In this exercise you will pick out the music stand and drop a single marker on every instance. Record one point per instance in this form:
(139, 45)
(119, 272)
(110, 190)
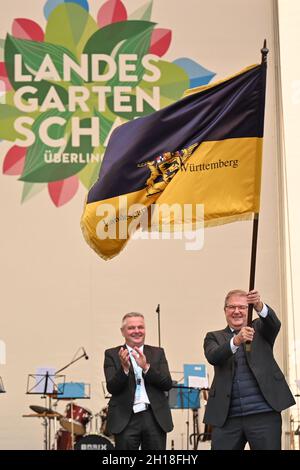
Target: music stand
(2, 390)
(186, 398)
(46, 386)
(50, 388)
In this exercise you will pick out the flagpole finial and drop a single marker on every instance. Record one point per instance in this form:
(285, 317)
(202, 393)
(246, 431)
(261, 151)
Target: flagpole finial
(264, 52)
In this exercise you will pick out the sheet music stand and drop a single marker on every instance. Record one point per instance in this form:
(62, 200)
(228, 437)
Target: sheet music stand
(2, 390)
(183, 397)
(46, 386)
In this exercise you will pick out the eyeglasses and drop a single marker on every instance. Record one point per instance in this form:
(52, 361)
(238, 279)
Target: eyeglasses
(239, 307)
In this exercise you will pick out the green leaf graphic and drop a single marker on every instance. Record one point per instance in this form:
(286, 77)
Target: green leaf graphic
(30, 190)
(106, 39)
(71, 26)
(173, 81)
(143, 13)
(33, 53)
(36, 169)
(41, 87)
(2, 42)
(8, 115)
(138, 45)
(89, 175)
(130, 114)
(105, 126)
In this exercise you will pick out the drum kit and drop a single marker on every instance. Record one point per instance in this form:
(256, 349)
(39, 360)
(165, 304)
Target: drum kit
(77, 430)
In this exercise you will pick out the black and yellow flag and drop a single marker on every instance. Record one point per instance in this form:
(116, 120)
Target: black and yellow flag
(204, 149)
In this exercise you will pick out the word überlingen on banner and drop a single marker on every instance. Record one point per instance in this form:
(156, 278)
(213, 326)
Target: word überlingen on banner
(84, 98)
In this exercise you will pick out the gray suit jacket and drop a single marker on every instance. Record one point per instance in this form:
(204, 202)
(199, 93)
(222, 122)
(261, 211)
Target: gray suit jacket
(261, 361)
(122, 388)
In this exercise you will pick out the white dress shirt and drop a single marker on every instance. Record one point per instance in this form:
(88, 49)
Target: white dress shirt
(141, 398)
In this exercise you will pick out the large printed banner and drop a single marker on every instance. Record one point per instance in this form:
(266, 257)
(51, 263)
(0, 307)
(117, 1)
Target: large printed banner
(68, 83)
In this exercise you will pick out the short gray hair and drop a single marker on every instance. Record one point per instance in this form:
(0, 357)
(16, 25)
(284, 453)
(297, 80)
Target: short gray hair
(240, 292)
(131, 315)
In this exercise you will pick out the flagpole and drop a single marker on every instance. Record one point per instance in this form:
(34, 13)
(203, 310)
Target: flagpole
(264, 52)
(252, 271)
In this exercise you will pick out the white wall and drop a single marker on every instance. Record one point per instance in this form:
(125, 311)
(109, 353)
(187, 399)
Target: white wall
(289, 18)
(56, 295)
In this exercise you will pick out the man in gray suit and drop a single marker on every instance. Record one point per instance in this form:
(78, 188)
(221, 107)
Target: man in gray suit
(249, 390)
(137, 377)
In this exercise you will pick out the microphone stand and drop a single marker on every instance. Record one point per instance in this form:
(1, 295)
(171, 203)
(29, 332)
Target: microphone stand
(158, 319)
(70, 363)
(57, 372)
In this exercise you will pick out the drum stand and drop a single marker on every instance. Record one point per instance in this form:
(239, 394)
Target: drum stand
(45, 424)
(72, 425)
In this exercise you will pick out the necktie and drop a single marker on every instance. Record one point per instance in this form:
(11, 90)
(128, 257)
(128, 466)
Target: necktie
(138, 379)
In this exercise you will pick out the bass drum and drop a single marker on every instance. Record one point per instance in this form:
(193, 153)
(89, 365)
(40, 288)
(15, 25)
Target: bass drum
(94, 442)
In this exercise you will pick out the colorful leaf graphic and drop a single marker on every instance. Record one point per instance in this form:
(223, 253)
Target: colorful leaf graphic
(198, 75)
(105, 126)
(89, 175)
(106, 39)
(8, 115)
(111, 11)
(142, 13)
(30, 190)
(128, 115)
(63, 191)
(70, 26)
(4, 77)
(82, 3)
(2, 92)
(14, 160)
(24, 28)
(172, 83)
(52, 4)
(160, 41)
(173, 80)
(33, 54)
(36, 169)
(138, 45)
(2, 42)
(72, 31)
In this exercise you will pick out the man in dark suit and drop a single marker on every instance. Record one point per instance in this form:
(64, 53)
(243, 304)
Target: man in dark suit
(137, 377)
(249, 390)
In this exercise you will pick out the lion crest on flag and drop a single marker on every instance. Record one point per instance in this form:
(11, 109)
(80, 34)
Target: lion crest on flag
(164, 167)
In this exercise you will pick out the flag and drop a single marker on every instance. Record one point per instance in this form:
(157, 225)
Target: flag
(204, 149)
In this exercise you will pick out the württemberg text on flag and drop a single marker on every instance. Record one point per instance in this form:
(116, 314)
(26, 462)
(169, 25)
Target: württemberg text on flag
(204, 149)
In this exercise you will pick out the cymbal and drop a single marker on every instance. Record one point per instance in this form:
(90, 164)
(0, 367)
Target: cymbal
(43, 415)
(40, 409)
(45, 412)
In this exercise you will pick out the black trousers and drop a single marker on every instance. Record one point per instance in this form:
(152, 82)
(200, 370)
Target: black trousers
(261, 430)
(143, 432)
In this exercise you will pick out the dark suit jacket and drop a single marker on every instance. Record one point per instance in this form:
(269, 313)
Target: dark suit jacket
(261, 361)
(122, 388)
